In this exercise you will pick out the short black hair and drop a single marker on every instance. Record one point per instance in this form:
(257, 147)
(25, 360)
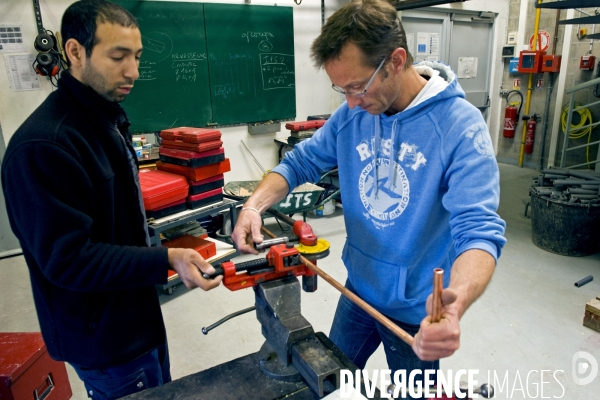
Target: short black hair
(372, 25)
(80, 21)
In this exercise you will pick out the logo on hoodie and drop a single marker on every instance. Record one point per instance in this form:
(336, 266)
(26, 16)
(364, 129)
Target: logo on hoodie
(383, 185)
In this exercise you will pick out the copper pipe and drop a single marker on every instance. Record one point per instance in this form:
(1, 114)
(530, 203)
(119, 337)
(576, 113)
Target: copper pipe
(268, 232)
(382, 319)
(438, 286)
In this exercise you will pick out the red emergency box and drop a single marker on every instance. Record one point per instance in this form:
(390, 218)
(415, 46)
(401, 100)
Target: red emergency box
(205, 248)
(196, 174)
(204, 199)
(197, 147)
(191, 158)
(28, 372)
(161, 188)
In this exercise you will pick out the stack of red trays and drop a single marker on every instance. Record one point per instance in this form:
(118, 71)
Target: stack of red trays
(198, 155)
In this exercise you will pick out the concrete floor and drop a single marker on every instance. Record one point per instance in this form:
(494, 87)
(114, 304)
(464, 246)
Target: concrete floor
(529, 319)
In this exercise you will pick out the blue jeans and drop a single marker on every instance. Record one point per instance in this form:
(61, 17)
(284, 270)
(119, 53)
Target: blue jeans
(150, 370)
(358, 335)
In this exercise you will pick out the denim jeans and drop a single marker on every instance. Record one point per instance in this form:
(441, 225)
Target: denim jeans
(358, 335)
(150, 370)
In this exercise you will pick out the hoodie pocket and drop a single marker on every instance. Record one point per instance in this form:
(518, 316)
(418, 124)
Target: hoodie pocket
(380, 283)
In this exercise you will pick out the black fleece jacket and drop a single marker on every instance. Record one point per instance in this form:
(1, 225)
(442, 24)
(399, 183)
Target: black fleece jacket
(72, 203)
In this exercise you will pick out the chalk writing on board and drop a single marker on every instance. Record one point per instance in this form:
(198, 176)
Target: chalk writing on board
(192, 55)
(260, 35)
(157, 46)
(277, 71)
(184, 65)
(265, 46)
(147, 71)
(233, 75)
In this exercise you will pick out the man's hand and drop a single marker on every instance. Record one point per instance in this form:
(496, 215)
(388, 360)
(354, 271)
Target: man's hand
(247, 228)
(470, 275)
(247, 231)
(190, 266)
(436, 340)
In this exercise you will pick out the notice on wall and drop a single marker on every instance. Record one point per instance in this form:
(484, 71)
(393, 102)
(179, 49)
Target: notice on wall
(422, 44)
(11, 38)
(428, 46)
(21, 75)
(434, 46)
(410, 43)
(467, 67)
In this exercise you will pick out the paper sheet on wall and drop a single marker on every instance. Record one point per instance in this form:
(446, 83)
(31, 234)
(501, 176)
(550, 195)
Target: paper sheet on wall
(21, 75)
(434, 46)
(467, 67)
(410, 43)
(422, 44)
(11, 38)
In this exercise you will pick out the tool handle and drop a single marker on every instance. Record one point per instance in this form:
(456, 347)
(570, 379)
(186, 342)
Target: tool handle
(382, 319)
(259, 263)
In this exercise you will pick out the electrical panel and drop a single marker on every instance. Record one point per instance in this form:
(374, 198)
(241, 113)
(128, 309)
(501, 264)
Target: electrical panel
(551, 63)
(508, 51)
(530, 62)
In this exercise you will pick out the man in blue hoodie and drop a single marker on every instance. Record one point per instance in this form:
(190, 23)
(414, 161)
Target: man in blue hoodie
(419, 182)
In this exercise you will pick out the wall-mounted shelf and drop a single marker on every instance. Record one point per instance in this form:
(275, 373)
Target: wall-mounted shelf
(411, 4)
(566, 4)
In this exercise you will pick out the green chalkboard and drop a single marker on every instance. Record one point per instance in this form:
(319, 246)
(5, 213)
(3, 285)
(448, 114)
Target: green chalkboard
(172, 88)
(207, 64)
(251, 62)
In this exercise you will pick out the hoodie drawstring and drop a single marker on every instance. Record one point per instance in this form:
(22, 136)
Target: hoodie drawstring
(376, 142)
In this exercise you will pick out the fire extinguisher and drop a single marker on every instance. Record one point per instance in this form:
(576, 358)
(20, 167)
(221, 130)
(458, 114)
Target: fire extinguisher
(511, 116)
(530, 134)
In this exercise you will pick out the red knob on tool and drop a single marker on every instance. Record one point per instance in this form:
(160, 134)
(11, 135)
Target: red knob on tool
(305, 233)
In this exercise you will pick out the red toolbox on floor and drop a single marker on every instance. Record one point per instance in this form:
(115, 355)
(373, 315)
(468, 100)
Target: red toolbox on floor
(161, 188)
(205, 248)
(197, 147)
(191, 158)
(196, 174)
(28, 372)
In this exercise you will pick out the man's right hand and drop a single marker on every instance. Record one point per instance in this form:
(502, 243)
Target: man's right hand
(190, 266)
(247, 231)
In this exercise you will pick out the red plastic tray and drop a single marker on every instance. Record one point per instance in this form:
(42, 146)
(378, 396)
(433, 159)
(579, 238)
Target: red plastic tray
(161, 188)
(197, 147)
(205, 248)
(196, 174)
(215, 182)
(203, 199)
(305, 125)
(191, 158)
(191, 135)
(171, 208)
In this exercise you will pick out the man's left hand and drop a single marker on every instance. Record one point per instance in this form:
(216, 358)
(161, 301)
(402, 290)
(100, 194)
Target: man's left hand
(441, 339)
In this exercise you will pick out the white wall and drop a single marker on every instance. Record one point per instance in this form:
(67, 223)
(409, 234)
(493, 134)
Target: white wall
(500, 26)
(313, 93)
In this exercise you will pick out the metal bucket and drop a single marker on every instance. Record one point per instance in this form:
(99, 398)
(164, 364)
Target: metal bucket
(568, 229)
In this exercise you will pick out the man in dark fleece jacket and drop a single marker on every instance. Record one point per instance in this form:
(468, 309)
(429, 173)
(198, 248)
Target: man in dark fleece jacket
(73, 199)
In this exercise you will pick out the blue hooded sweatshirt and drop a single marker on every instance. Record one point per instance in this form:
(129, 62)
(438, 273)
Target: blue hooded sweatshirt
(419, 188)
